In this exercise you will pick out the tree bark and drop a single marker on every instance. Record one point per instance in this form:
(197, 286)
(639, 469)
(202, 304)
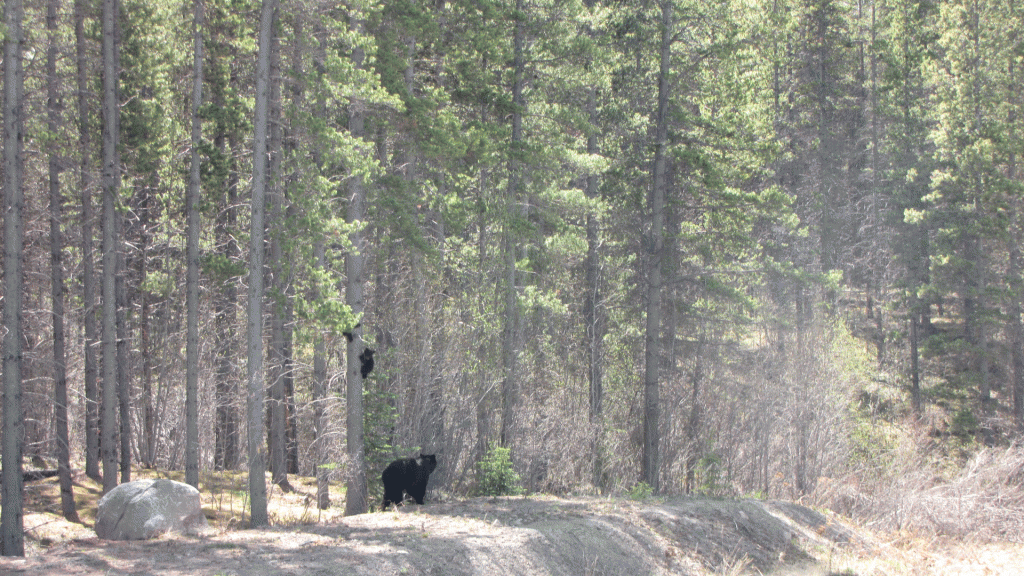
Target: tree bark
(277, 438)
(121, 300)
(92, 413)
(192, 261)
(12, 536)
(256, 395)
(111, 182)
(655, 247)
(515, 209)
(320, 387)
(356, 490)
(60, 381)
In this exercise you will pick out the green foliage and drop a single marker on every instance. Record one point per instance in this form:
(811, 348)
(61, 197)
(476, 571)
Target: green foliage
(640, 491)
(872, 447)
(964, 424)
(495, 475)
(709, 475)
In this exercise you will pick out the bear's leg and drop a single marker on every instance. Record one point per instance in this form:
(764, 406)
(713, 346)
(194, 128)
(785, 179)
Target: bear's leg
(418, 491)
(392, 496)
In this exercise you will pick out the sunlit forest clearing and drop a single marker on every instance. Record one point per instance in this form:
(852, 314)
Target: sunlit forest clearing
(658, 252)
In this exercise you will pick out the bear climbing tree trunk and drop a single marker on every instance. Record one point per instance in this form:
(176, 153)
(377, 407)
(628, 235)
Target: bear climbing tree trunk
(356, 492)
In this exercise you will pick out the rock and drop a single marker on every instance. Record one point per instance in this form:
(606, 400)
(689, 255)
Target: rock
(148, 508)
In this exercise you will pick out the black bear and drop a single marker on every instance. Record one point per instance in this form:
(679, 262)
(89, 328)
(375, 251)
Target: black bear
(366, 362)
(348, 335)
(407, 475)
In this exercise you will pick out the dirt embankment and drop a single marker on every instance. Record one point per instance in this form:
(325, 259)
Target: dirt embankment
(528, 536)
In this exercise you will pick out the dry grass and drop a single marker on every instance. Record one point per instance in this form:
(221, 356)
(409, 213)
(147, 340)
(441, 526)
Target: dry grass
(964, 526)
(981, 501)
(224, 496)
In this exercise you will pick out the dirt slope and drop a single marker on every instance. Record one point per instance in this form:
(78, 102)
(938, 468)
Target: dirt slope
(528, 536)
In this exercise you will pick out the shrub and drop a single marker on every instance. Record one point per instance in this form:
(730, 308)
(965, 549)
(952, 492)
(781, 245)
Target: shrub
(495, 475)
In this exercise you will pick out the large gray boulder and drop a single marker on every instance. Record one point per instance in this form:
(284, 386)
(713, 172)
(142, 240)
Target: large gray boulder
(148, 508)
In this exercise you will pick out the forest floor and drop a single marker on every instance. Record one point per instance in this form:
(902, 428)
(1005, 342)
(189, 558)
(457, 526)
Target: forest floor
(530, 535)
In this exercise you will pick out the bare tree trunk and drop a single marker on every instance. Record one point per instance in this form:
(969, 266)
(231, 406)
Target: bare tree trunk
(1017, 333)
(149, 439)
(276, 407)
(92, 413)
(60, 380)
(655, 246)
(593, 313)
(320, 387)
(256, 395)
(111, 182)
(915, 373)
(12, 535)
(510, 344)
(192, 262)
(291, 148)
(356, 490)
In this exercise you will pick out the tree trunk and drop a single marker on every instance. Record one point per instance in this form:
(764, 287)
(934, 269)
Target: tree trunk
(255, 404)
(192, 261)
(111, 182)
(320, 386)
(277, 439)
(593, 312)
(89, 370)
(655, 248)
(12, 535)
(60, 381)
(510, 344)
(355, 494)
(149, 439)
(915, 373)
(122, 304)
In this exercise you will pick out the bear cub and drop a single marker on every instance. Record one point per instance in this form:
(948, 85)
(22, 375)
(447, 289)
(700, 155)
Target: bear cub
(366, 362)
(408, 475)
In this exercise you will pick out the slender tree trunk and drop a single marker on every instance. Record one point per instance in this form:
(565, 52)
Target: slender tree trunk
(593, 312)
(915, 374)
(111, 182)
(12, 536)
(192, 261)
(512, 319)
(121, 329)
(356, 489)
(256, 395)
(92, 412)
(655, 245)
(694, 421)
(60, 381)
(291, 149)
(1017, 332)
(1016, 272)
(320, 395)
(276, 409)
(149, 439)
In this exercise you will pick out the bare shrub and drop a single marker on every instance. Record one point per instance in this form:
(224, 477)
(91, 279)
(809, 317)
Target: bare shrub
(984, 499)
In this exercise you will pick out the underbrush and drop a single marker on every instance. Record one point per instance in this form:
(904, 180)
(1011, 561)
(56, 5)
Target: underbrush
(980, 498)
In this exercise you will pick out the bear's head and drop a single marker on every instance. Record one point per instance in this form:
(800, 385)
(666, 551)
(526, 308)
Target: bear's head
(428, 462)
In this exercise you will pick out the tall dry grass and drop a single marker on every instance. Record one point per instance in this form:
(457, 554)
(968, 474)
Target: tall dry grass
(983, 499)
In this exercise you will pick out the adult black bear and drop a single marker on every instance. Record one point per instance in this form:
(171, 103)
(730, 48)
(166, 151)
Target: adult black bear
(408, 475)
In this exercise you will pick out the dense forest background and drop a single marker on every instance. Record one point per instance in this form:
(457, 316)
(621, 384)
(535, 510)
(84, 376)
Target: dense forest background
(736, 247)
